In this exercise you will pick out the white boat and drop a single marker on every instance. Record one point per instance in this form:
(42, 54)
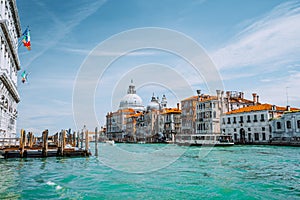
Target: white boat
(204, 140)
(110, 142)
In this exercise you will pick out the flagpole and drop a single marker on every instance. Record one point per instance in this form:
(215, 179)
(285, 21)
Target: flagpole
(20, 42)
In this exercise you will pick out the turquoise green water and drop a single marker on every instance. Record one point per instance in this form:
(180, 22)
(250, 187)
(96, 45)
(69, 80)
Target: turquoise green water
(238, 172)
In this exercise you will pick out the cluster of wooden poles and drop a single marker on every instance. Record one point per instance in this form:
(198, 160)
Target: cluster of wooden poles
(62, 144)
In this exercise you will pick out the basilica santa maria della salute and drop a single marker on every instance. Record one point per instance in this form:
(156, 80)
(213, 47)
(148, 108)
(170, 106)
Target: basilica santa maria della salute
(133, 122)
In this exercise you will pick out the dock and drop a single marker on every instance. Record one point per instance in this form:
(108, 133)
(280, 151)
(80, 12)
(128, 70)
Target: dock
(62, 144)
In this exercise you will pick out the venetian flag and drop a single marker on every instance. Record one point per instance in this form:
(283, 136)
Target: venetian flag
(26, 39)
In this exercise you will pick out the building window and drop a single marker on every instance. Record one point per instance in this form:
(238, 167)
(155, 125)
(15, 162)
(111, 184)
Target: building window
(249, 129)
(215, 114)
(298, 124)
(255, 118)
(262, 117)
(248, 119)
(223, 121)
(256, 136)
(278, 125)
(241, 119)
(228, 120)
(249, 137)
(288, 124)
(234, 120)
(263, 136)
(234, 130)
(263, 128)
(235, 137)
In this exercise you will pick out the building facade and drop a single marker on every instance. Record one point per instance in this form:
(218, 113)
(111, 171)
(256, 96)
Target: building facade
(171, 118)
(156, 124)
(209, 109)
(133, 122)
(286, 127)
(10, 31)
(251, 124)
(188, 115)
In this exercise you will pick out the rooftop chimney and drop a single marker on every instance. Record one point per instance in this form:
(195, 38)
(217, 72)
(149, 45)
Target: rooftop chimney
(254, 98)
(257, 99)
(273, 107)
(199, 93)
(178, 106)
(218, 94)
(228, 94)
(288, 108)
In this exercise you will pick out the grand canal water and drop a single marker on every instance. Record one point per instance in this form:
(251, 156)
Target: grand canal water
(238, 172)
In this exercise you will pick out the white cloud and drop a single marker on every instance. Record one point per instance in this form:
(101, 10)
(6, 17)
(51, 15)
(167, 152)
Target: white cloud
(269, 42)
(60, 27)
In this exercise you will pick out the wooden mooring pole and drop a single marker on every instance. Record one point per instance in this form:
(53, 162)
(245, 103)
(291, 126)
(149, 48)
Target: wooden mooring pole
(87, 140)
(59, 144)
(45, 143)
(22, 142)
(96, 141)
(74, 139)
(81, 140)
(31, 138)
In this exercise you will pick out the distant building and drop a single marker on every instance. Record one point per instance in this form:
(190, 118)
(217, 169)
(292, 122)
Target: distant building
(10, 31)
(171, 118)
(134, 123)
(156, 124)
(188, 115)
(251, 124)
(286, 127)
(130, 104)
(211, 108)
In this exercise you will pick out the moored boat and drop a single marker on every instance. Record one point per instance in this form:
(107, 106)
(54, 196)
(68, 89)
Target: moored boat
(204, 140)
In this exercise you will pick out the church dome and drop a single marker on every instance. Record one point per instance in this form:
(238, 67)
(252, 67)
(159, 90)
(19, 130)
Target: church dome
(132, 100)
(153, 105)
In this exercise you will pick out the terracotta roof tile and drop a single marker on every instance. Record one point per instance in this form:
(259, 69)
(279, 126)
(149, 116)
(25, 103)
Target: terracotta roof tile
(259, 107)
(171, 110)
(190, 98)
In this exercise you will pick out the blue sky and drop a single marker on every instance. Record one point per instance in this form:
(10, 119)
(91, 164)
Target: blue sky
(255, 45)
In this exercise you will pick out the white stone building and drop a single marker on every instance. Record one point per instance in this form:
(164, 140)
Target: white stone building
(250, 124)
(287, 127)
(10, 31)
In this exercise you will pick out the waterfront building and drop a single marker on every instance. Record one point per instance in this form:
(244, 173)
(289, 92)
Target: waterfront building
(130, 104)
(287, 127)
(188, 115)
(209, 109)
(156, 124)
(171, 118)
(10, 31)
(251, 124)
(133, 122)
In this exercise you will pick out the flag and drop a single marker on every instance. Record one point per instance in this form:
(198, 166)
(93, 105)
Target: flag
(26, 39)
(24, 76)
